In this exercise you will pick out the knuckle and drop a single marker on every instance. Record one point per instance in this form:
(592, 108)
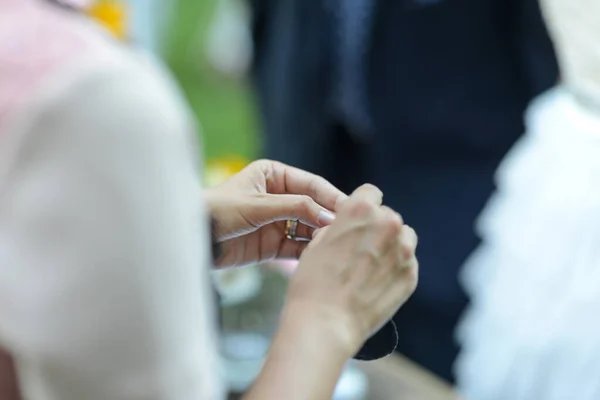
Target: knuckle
(315, 184)
(383, 226)
(262, 162)
(392, 221)
(410, 275)
(360, 208)
(370, 187)
(400, 218)
(410, 231)
(267, 161)
(407, 251)
(414, 236)
(305, 203)
(413, 279)
(386, 211)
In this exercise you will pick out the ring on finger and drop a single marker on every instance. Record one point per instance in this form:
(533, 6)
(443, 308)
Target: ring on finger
(291, 228)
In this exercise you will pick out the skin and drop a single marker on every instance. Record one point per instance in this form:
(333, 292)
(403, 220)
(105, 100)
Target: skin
(359, 268)
(252, 207)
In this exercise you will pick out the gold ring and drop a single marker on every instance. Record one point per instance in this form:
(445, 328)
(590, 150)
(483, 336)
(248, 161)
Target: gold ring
(291, 226)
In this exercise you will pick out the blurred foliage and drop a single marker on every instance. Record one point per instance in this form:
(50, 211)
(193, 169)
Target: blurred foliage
(224, 108)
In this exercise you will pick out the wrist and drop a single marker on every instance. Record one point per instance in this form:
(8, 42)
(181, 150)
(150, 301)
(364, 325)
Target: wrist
(213, 203)
(305, 361)
(333, 329)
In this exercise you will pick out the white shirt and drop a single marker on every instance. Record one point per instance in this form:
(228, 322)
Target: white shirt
(104, 250)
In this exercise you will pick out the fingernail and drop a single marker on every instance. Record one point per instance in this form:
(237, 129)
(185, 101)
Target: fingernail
(325, 218)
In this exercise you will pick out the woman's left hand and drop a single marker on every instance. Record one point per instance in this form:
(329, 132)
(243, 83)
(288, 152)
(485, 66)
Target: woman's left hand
(251, 210)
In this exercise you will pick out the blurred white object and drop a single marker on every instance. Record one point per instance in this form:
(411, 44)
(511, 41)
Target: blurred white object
(244, 354)
(575, 29)
(352, 385)
(229, 45)
(286, 267)
(238, 285)
(532, 331)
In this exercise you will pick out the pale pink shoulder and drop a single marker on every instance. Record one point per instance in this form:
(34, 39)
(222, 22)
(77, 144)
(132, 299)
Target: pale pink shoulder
(36, 42)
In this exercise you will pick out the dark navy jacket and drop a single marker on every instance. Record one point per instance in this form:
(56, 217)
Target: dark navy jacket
(448, 85)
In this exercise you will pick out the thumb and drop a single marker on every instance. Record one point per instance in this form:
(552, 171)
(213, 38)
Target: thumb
(281, 207)
(318, 235)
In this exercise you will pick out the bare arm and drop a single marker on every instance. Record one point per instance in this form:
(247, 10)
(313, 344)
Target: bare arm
(343, 291)
(305, 361)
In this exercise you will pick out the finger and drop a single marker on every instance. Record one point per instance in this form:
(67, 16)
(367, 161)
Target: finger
(368, 192)
(411, 263)
(290, 180)
(318, 232)
(408, 245)
(272, 208)
(291, 250)
(318, 235)
(304, 233)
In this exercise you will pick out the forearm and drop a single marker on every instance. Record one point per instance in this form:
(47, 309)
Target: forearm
(305, 361)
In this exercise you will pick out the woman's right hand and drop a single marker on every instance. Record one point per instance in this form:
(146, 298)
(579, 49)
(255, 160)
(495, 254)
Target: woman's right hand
(355, 274)
(351, 279)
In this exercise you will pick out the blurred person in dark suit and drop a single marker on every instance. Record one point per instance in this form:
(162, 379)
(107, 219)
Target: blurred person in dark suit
(422, 98)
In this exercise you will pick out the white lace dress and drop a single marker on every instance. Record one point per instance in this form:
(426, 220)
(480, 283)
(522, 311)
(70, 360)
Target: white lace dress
(533, 329)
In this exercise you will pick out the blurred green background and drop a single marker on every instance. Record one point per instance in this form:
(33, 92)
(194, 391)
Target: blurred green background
(223, 107)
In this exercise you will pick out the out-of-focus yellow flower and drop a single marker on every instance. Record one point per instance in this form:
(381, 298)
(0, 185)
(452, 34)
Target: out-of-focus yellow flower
(219, 170)
(112, 14)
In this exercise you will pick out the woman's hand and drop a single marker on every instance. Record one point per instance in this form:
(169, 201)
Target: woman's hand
(356, 273)
(352, 278)
(251, 210)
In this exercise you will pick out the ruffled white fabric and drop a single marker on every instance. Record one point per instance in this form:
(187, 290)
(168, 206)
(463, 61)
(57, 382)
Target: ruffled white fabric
(574, 26)
(533, 329)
